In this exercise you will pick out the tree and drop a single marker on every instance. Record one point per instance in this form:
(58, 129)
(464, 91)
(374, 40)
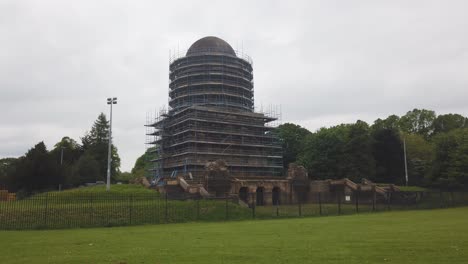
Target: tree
(344, 151)
(86, 170)
(420, 155)
(419, 122)
(449, 122)
(95, 143)
(140, 163)
(323, 152)
(71, 149)
(125, 177)
(36, 170)
(292, 138)
(388, 155)
(7, 169)
(358, 160)
(144, 163)
(99, 133)
(450, 168)
(66, 153)
(391, 122)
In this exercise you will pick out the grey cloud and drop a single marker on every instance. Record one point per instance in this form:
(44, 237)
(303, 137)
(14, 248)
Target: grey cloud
(324, 62)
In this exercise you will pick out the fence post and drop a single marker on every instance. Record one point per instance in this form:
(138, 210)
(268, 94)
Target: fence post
(198, 209)
(452, 201)
(165, 209)
(339, 203)
(320, 203)
(4, 220)
(441, 198)
(227, 207)
(253, 205)
(356, 198)
(92, 208)
(131, 208)
(389, 201)
(416, 201)
(300, 206)
(45, 209)
(373, 199)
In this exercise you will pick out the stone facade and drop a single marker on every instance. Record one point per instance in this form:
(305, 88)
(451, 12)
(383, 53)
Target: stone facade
(297, 187)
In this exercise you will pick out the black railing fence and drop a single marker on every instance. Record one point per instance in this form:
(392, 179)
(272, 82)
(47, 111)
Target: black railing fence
(60, 210)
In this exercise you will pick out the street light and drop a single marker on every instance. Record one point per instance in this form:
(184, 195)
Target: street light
(61, 165)
(406, 162)
(61, 155)
(110, 101)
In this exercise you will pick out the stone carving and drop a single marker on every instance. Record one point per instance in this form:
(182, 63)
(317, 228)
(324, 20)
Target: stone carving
(297, 172)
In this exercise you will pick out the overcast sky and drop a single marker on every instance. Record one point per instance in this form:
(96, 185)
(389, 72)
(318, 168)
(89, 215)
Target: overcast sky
(324, 62)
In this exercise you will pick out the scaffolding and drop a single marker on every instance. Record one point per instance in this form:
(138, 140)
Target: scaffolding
(177, 54)
(212, 116)
(150, 138)
(188, 139)
(216, 79)
(152, 148)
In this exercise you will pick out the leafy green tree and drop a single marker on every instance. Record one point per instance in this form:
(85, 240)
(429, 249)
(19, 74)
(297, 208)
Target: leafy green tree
(7, 169)
(450, 168)
(95, 143)
(71, 150)
(144, 163)
(449, 122)
(66, 153)
(125, 177)
(388, 155)
(391, 122)
(99, 133)
(36, 170)
(420, 155)
(358, 160)
(86, 169)
(292, 138)
(323, 152)
(418, 121)
(339, 152)
(140, 163)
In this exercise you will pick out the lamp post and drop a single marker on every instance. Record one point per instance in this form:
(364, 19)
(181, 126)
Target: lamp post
(406, 162)
(61, 155)
(110, 101)
(61, 165)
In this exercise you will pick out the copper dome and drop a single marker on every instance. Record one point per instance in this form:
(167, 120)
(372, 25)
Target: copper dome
(210, 44)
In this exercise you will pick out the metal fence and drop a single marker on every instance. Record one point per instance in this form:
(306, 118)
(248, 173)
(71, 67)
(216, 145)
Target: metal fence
(62, 210)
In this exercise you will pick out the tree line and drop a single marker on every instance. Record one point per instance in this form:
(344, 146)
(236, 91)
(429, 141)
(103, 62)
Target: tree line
(436, 149)
(437, 154)
(68, 164)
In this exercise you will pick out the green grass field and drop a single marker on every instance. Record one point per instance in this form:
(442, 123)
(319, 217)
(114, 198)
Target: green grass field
(413, 189)
(116, 189)
(424, 236)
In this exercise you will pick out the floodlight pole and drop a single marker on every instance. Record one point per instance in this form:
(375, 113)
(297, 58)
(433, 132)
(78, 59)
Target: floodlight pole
(61, 164)
(406, 162)
(110, 101)
(61, 156)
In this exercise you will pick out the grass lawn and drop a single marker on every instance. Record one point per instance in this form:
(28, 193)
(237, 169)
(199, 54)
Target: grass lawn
(413, 189)
(116, 189)
(425, 236)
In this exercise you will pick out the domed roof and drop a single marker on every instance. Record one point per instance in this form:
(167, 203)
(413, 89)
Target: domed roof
(210, 44)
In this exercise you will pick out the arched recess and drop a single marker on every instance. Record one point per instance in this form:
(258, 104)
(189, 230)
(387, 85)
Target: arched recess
(260, 196)
(244, 194)
(276, 194)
